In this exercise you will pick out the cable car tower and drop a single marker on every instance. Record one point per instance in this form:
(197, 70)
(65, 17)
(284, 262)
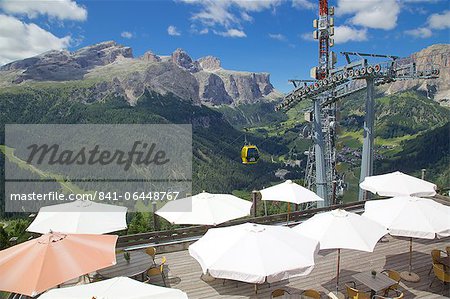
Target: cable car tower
(331, 84)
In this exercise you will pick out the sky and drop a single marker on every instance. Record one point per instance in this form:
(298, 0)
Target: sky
(273, 36)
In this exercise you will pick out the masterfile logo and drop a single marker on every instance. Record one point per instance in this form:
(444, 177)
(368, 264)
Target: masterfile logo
(122, 164)
(140, 154)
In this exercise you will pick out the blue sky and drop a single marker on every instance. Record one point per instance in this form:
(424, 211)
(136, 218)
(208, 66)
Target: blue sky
(261, 36)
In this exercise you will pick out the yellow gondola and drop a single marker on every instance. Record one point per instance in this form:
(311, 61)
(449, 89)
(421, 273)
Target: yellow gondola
(249, 154)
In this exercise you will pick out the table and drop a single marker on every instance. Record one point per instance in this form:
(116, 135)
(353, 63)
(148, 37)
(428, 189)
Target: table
(377, 283)
(139, 263)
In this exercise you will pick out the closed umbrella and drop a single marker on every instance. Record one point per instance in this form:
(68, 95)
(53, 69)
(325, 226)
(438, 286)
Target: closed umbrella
(115, 288)
(411, 217)
(80, 216)
(339, 229)
(254, 253)
(205, 209)
(398, 184)
(35, 266)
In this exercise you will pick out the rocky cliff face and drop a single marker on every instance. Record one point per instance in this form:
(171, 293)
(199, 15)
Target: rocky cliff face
(64, 65)
(113, 69)
(439, 89)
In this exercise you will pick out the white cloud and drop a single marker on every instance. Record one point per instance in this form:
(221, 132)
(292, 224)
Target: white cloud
(439, 21)
(230, 12)
(246, 17)
(215, 12)
(60, 9)
(256, 5)
(278, 36)
(378, 14)
(19, 40)
(172, 30)
(127, 34)
(231, 33)
(303, 4)
(343, 34)
(307, 36)
(419, 1)
(195, 30)
(421, 32)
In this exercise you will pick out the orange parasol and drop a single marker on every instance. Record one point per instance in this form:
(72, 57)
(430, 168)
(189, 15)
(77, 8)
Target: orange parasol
(37, 265)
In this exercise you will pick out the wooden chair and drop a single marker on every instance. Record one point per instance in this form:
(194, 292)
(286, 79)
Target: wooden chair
(440, 274)
(394, 275)
(399, 295)
(435, 255)
(447, 249)
(353, 293)
(158, 270)
(279, 293)
(311, 293)
(151, 251)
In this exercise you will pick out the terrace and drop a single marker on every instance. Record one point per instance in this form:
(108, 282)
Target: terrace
(184, 272)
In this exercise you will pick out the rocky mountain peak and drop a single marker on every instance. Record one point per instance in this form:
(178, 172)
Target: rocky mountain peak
(436, 56)
(63, 65)
(209, 63)
(182, 59)
(101, 53)
(150, 57)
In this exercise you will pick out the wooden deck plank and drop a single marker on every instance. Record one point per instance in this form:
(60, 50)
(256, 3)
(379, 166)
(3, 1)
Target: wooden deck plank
(184, 272)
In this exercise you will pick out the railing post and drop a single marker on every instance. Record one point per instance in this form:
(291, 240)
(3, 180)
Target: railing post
(155, 221)
(424, 171)
(254, 198)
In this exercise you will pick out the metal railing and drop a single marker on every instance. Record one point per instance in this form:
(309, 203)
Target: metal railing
(181, 235)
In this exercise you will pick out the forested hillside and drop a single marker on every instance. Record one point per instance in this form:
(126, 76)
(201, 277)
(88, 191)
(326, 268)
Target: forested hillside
(216, 144)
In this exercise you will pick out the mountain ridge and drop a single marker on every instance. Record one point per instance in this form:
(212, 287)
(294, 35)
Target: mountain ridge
(111, 66)
(437, 56)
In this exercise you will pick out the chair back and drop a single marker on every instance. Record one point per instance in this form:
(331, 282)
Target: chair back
(151, 251)
(279, 293)
(311, 293)
(163, 261)
(435, 255)
(351, 292)
(392, 274)
(400, 296)
(154, 271)
(440, 273)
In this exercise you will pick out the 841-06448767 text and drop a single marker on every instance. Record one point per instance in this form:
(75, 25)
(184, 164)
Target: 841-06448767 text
(96, 195)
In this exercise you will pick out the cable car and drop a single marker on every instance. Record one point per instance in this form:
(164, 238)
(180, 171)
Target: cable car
(249, 154)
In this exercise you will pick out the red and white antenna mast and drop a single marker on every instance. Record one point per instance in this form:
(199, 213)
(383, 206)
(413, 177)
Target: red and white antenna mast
(324, 33)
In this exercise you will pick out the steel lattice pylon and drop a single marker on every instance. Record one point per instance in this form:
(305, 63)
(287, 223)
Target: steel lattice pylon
(333, 84)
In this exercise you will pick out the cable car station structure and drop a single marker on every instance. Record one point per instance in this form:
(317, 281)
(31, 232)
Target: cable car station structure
(331, 84)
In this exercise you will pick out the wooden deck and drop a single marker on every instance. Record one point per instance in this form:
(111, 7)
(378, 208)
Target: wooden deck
(184, 272)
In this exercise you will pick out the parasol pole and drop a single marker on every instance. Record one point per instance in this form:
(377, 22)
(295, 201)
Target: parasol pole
(338, 266)
(410, 254)
(409, 275)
